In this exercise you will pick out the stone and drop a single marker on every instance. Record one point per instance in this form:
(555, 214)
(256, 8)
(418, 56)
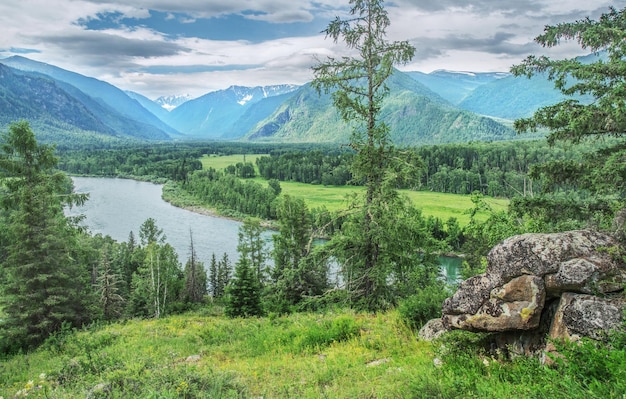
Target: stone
(517, 305)
(598, 275)
(541, 254)
(539, 286)
(432, 330)
(586, 315)
(470, 295)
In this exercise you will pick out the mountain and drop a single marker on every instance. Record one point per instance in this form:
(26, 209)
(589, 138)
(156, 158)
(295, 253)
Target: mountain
(105, 93)
(170, 102)
(414, 113)
(454, 86)
(40, 100)
(150, 105)
(214, 115)
(61, 113)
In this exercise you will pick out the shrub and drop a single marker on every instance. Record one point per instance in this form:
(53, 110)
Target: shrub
(417, 309)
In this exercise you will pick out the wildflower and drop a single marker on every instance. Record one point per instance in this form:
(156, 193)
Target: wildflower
(437, 362)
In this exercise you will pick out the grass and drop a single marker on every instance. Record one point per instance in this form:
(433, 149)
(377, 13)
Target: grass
(221, 162)
(339, 354)
(440, 205)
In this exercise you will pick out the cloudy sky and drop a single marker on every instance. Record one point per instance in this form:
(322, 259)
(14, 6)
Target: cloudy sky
(171, 47)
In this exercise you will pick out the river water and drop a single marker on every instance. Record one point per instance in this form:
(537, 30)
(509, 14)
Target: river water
(118, 206)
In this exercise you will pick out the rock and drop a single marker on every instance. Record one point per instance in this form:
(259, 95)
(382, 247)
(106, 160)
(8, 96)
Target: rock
(573, 272)
(470, 295)
(433, 329)
(193, 359)
(541, 254)
(600, 275)
(516, 305)
(586, 315)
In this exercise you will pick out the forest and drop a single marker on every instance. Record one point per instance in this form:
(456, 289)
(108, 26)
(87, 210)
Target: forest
(81, 301)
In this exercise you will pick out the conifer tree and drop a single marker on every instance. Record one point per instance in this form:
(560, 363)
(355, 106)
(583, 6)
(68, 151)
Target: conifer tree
(359, 87)
(243, 294)
(213, 276)
(44, 287)
(195, 277)
(252, 247)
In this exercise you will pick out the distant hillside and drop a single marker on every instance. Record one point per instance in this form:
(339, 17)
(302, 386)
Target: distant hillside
(58, 112)
(149, 125)
(454, 86)
(415, 114)
(214, 115)
(512, 97)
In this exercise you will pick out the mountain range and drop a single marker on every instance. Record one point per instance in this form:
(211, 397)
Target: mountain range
(439, 107)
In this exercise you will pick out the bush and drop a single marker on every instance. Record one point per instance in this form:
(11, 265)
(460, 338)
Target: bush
(417, 309)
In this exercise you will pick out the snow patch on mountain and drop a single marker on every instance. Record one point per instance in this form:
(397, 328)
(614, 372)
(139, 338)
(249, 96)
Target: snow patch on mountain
(173, 101)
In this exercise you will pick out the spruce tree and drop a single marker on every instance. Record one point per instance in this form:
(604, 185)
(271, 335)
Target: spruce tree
(195, 277)
(243, 294)
(358, 88)
(44, 287)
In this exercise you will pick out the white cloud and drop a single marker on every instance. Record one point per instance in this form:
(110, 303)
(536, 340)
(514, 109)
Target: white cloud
(485, 35)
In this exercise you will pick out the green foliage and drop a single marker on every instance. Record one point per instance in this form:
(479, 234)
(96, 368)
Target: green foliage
(252, 246)
(576, 121)
(44, 285)
(231, 195)
(417, 309)
(195, 288)
(219, 275)
(243, 293)
(359, 84)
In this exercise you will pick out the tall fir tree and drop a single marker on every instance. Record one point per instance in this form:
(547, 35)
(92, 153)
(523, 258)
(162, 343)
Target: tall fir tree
(252, 247)
(243, 294)
(44, 287)
(358, 88)
(195, 287)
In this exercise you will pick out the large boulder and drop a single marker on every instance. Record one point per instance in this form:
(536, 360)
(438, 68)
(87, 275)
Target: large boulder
(576, 271)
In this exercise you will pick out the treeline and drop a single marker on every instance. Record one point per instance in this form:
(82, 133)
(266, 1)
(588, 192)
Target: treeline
(154, 162)
(494, 169)
(233, 196)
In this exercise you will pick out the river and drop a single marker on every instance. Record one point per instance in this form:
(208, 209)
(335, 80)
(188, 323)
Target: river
(118, 206)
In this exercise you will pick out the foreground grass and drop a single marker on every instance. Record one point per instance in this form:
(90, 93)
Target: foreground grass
(332, 355)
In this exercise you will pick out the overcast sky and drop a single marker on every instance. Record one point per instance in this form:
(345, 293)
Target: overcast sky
(165, 47)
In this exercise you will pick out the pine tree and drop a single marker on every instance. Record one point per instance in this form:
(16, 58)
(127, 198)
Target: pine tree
(251, 246)
(295, 274)
(223, 275)
(213, 276)
(195, 278)
(359, 84)
(45, 287)
(243, 294)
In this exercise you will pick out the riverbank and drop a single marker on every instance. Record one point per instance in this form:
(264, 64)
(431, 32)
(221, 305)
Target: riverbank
(174, 195)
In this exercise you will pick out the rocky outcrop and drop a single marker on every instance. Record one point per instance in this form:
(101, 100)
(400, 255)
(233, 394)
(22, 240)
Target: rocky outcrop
(561, 285)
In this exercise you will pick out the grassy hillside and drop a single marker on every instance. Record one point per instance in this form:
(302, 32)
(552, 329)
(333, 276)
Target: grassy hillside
(333, 355)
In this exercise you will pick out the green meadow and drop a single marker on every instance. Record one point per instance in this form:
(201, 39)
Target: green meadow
(440, 205)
